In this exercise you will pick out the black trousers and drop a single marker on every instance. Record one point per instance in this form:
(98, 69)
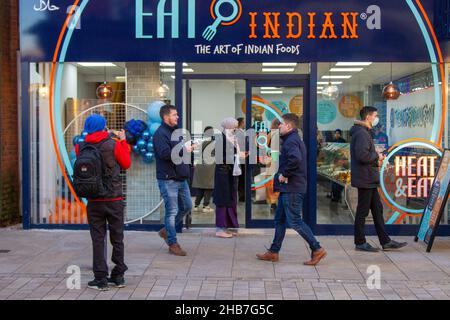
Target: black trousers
(203, 194)
(100, 213)
(241, 184)
(369, 199)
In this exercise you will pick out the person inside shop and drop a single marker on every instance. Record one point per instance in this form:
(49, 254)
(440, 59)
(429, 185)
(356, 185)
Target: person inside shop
(365, 163)
(203, 180)
(172, 178)
(271, 162)
(106, 207)
(336, 188)
(290, 181)
(380, 137)
(240, 134)
(226, 173)
(338, 136)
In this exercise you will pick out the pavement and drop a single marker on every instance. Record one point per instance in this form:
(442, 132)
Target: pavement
(37, 265)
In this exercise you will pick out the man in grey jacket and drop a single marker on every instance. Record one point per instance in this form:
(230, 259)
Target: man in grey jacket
(365, 163)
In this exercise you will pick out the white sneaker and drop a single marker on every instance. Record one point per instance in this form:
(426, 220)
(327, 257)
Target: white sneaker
(196, 208)
(207, 209)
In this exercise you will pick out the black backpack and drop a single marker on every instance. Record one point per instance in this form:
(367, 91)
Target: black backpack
(89, 172)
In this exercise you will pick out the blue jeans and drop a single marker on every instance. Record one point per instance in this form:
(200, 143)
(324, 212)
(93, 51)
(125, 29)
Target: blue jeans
(288, 212)
(177, 203)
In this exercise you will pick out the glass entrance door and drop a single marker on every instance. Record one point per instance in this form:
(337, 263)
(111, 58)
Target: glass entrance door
(266, 102)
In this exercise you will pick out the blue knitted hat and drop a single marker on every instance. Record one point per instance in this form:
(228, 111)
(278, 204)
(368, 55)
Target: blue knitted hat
(94, 123)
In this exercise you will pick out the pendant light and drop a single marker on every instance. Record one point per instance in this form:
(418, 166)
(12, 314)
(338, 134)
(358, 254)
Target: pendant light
(104, 91)
(163, 89)
(390, 91)
(330, 91)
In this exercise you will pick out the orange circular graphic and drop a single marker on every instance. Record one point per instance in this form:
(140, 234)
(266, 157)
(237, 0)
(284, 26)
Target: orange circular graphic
(256, 110)
(213, 15)
(349, 106)
(296, 105)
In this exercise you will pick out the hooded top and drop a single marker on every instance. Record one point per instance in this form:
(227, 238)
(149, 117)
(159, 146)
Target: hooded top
(364, 158)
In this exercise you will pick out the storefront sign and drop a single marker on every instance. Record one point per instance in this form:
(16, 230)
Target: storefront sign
(225, 30)
(436, 203)
(414, 176)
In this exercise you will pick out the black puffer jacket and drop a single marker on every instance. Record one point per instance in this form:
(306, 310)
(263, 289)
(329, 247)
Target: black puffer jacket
(364, 158)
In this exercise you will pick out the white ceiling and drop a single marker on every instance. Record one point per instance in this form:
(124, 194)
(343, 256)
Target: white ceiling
(375, 74)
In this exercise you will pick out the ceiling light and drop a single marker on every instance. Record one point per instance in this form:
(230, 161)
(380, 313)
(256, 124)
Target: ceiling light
(96, 64)
(172, 70)
(352, 64)
(269, 88)
(171, 64)
(173, 77)
(121, 78)
(278, 69)
(336, 77)
(332, 82)
(279, 64)
(330, 92)
(346, 69)
(319, 88)
(272, 92)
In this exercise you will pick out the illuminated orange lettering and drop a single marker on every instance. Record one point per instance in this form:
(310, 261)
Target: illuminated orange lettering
(291, 25)
(328, 24)
(411, 188)
(400, 166)
(311, 25)
(411, 166)
(347, 25)
(271, 26)
(253, 25)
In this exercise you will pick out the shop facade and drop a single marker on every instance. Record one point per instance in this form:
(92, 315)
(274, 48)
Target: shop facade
(254, 61)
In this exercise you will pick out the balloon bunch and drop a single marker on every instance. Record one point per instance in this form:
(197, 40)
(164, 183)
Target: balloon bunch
(140, 134)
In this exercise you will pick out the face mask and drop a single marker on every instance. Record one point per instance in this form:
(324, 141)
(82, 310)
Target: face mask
(375, 122)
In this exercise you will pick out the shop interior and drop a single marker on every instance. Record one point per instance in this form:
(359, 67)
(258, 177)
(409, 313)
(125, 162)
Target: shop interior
(207, 101)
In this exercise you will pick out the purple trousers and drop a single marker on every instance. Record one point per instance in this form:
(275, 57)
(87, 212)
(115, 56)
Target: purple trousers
(226, 217)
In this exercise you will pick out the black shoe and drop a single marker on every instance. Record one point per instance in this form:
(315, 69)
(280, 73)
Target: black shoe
(101, 285)
(117, 282)
(392, 245)
(366, 247)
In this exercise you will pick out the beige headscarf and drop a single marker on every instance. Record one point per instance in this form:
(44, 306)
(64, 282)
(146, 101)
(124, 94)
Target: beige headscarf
(228, 125)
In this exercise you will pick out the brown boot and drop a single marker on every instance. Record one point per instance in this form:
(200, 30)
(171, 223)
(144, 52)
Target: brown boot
(316, 257)
(268, 256)
(163, 234)
(176, 250)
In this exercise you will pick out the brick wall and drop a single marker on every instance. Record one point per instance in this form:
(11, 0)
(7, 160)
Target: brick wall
(9, 157)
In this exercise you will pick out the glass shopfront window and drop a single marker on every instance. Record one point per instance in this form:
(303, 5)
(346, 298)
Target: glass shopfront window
(133, 87)
(407, 175)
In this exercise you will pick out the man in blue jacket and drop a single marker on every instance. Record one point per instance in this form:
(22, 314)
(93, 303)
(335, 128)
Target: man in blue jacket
(365, 163)
(172, 178)
(290, 181)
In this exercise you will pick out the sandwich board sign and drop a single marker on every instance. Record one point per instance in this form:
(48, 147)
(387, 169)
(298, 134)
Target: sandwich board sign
(437, 199)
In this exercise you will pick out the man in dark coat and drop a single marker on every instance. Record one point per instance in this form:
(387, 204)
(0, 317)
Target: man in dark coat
(365, 162)
(290, 181)
(172, 178)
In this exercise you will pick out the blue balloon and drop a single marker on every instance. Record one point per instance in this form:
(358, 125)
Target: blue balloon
(136, 149)
(150, 146)
(84, 134)
(146, 135)
(81, 140)
(153, 111)
(141, 144)
(143, 151)
(148, 157)
(75, 140)
(154, 127)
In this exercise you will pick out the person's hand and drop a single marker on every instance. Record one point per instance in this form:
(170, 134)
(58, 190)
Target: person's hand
(121, 135)
(282, 179)
(191, 147)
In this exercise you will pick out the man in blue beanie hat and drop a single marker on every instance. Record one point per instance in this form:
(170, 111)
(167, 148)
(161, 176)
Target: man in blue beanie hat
(106, 207)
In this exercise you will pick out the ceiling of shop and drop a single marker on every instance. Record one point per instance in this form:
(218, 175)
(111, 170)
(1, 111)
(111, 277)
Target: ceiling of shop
(376, 73)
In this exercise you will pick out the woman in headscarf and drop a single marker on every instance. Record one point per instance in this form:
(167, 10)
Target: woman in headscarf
(225, 179)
